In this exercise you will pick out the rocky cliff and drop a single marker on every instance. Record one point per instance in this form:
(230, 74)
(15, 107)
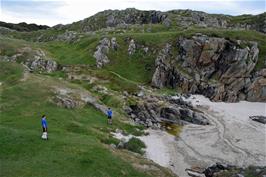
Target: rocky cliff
(218, 68)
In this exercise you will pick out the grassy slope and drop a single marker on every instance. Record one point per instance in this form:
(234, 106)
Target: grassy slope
(74, 53)
(74, 147)
(140, 66)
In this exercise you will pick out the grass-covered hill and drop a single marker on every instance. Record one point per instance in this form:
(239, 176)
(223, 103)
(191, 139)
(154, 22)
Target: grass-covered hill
(79, 138)
(23, 26)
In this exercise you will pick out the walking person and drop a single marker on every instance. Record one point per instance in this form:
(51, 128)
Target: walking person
(109, 116)
(44, 128)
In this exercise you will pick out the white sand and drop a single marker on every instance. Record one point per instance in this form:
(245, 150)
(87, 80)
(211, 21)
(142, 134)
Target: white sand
(231, 138)
(158, 146)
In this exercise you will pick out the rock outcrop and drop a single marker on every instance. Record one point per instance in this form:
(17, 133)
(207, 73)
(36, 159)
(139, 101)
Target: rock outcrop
(131, 47)
(34, 59)
(101, 52)
(42, 65)
(114, 44)
(74, 98)
(260, 119)
(218, 68)
(257, 88)
(68, 36)
(121, 18)
(151, 110)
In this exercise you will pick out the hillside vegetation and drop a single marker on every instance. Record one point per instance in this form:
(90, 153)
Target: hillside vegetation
(37, 61)
(75, 146)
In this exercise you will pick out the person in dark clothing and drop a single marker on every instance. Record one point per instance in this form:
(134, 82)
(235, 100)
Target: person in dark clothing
(44, 127)
(109, 115)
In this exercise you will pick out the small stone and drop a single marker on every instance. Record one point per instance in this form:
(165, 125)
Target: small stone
(121, 145)
(140, 94)
(113, 146)
(119, 131)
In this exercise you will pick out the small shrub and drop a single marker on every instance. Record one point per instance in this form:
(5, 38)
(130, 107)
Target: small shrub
(110, 140)
(135, 145)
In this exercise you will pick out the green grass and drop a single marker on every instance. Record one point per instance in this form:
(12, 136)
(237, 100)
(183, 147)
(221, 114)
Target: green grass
(112, 80)
(9, 46)
(72, 53)
(135, 145)
(10, 73)
(111, 101)
(75, 145)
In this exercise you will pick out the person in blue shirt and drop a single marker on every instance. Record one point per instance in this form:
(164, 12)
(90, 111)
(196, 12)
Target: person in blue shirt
(44, 124)
(109, 115)
(44, 128)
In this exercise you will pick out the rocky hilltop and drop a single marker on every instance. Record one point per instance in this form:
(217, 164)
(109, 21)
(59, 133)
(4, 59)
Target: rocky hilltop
(173, 18)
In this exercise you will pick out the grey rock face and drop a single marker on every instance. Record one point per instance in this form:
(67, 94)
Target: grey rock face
(215, 67)
(261, 119)
(42, 65)
(114, 44)
(164, 67)
(216, 168)
(35, 60)
(183, 18)
(167, 22)
(40, 62)
(121, 18)
(66, 102)
(131, 47)
(72, 98)
(101, 52)
(152, 110)
(202, 19)
(256, 88)
(68, 36)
